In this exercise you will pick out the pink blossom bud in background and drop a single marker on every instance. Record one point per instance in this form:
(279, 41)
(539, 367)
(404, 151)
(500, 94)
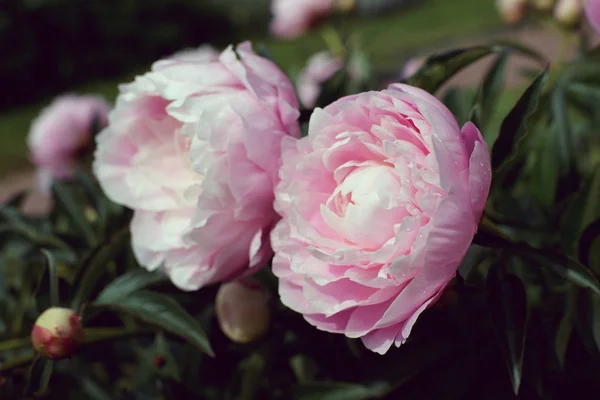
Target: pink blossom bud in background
(57, 333)
(512, 11)
(543, 5)
(243, 310)
(319, 69)
(60, 133)
(292, 18)
(379, 205)
(592, 11)
(412, 66)
(568, 12)
(194, 148)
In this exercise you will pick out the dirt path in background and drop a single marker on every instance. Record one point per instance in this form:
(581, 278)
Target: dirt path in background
(543, 41)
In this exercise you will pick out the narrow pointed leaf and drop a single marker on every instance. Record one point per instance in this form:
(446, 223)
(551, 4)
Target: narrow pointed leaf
(45, 377)
(565, 266)
(441, 67)
(507, 302)
(515, 126)
(164, 312)
(53, 278)
(491, 87)
(95, 265)
(590, 239)
(128, 283)
(64, 196)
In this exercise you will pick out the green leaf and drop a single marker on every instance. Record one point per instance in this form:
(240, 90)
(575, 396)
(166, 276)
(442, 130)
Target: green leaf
(251, 370)
(53, 275)
(45, 377)
(565, 266)
(92, 389)
(515, 126)
(95, 265)
(162, 311)
(304, 368)
(454, 99)
(64, 196)
(589, 237)
(339, 391)
(507, 301)
(491, 87)
(128, 283)
(16, 224)
(475, 116)
(441, 67)
(565, 327)
(568, 174)
(582, 210)
(170, 369)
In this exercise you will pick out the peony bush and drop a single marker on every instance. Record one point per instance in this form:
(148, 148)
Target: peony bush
(354, 234)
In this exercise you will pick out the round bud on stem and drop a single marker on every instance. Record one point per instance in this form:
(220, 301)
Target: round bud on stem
(57, 333)
(568, 12)
(512, 11)
(243, 310)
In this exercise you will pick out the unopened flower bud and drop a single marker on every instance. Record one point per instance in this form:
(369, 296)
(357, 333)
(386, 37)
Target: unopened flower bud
(543, 5)
(57, 333)
(511, 11)
(568, 12)
(243, 310)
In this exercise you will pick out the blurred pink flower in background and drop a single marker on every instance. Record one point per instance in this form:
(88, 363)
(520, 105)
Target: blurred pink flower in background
(194, 149)
(60, 133)
(380, 203)
(291, 18)
(592, 11)
(319, 69)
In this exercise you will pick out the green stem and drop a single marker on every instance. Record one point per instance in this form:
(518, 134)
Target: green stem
(334, 42)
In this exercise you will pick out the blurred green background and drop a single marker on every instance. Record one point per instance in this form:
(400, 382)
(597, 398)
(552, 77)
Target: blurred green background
(54, 46)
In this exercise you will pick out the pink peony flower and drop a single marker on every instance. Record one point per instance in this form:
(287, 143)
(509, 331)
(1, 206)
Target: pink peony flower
(592, 11)
(59, 134)
(319, 69)
(194, 149)
(291, 18)
(380, 203)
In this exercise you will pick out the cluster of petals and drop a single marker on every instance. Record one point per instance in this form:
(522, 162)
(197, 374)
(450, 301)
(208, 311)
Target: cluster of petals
(380, 203)
(193, 147)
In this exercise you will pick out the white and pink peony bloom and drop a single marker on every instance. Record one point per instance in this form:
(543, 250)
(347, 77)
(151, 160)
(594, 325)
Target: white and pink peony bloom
(319, 69)
(380, 203)
(193, 147)
(61, 132)
(291, 18)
